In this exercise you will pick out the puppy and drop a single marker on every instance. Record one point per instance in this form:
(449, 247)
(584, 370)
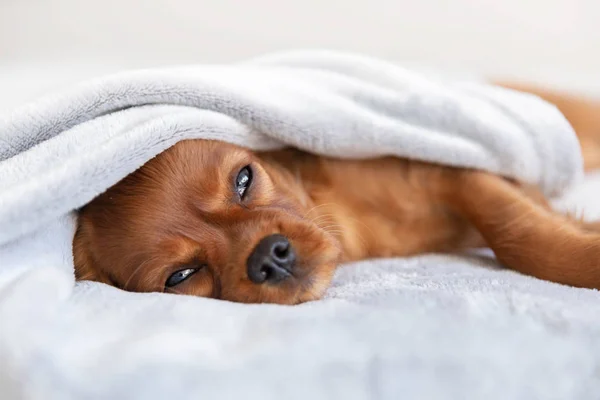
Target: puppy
(211, 219)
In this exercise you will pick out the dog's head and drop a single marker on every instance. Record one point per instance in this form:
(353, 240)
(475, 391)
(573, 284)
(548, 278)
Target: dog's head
(210, 219)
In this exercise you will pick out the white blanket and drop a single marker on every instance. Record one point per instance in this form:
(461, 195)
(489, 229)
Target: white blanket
(426, 327)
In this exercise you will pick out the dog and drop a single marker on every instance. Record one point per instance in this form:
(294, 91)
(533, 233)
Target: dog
(212, 219)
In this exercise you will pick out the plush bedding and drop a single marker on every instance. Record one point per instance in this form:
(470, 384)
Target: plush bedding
(434, 326)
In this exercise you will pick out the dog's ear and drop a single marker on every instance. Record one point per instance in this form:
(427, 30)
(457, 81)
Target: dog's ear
(85, 267)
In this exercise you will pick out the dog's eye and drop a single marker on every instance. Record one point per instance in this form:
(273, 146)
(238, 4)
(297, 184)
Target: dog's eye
(243, 181)
(179, 276)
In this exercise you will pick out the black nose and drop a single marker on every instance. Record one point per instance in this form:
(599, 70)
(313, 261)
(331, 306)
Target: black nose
(271, 260)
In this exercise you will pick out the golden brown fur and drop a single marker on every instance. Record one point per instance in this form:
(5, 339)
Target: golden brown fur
(181, 210)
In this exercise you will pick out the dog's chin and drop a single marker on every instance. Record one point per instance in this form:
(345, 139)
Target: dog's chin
(314, 284)
(316, 292)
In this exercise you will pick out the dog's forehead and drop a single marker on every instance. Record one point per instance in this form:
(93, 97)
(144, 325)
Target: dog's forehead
(199, 162)
(210, 152)
(194, 175)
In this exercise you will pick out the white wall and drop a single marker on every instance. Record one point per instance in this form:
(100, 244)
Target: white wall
(524, 37)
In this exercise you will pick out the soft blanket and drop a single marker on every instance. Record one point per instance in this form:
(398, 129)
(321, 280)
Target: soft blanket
(426, 327)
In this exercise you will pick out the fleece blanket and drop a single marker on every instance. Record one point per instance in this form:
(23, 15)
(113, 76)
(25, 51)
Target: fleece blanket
(435, 326)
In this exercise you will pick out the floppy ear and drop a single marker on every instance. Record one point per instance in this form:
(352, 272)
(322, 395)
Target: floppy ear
(85, 268)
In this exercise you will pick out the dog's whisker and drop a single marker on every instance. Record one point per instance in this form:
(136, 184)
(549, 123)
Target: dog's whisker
(318, 217)
(323, 216)
(319, 206)
(326, 227)
(324, 221)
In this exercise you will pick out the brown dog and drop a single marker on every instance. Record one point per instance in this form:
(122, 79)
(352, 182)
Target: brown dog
(212, 219)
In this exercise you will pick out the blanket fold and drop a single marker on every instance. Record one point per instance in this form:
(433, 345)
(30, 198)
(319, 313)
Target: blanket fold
(326, 103)
(60, 152)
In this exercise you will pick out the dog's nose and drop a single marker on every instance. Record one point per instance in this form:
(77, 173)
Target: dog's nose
(271, 260)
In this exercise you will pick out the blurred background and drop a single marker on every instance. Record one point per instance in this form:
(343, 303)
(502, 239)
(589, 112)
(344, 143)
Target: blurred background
(45, 44)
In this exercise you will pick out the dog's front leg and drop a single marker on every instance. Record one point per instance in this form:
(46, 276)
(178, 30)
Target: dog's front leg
(525, 235)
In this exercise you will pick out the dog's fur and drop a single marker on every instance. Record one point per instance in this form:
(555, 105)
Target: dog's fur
(180, 210)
